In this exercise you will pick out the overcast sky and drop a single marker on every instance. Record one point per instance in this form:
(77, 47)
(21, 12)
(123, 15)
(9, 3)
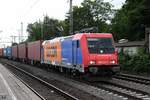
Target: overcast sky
(13, 12)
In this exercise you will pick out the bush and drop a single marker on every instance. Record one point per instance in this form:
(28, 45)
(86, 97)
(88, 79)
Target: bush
(139, 63)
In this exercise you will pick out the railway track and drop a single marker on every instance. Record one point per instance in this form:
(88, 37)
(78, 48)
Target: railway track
(126, 92)
(66, 95)
(41, 97)
(133, 78)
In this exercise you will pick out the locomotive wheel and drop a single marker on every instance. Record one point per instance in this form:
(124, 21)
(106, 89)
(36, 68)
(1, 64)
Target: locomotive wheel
(75, 73)
(61, 69)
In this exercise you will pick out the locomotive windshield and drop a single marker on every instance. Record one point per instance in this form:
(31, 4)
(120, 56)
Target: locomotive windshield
(100, 45)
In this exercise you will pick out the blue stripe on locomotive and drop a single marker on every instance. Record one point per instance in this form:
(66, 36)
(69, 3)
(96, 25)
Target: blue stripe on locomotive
(79, 56)
(69, 55)
(66, 47)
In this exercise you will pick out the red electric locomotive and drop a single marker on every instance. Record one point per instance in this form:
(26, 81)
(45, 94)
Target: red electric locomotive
(84, 53)
(99, 55)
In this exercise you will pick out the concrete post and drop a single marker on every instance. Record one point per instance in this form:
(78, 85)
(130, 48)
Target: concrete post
(147, 39)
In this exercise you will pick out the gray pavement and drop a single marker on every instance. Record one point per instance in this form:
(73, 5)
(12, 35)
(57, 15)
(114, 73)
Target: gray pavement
(12, 88)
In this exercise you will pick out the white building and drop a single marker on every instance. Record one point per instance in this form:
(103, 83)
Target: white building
(130, 48)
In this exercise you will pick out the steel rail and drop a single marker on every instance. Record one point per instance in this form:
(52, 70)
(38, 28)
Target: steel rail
(133, 79)
(60, 91)
(130, 97)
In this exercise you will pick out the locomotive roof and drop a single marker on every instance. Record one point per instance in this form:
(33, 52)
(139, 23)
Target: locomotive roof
(52, 41)
(80, 35)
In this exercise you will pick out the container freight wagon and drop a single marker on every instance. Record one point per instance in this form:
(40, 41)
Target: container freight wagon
(4, 52)
(22, 52)
(15, 52)
(9, 52)
(34, 51)
(1, 52)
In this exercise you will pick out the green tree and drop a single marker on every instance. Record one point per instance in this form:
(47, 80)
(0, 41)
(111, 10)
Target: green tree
(91, 13)
(127, 22)
(34, 31)
(46, 29)
(51, 28)
(146, 12)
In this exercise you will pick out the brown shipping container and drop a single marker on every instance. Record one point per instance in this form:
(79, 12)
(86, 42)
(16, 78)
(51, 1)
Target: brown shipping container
(34, 50)
(22, 51)
(1, 52)
(15, 52)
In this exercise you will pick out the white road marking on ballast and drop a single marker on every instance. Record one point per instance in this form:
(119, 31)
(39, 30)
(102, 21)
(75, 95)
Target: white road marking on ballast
(8, 88)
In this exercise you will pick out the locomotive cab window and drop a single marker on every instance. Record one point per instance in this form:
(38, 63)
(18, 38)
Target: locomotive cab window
(100, 45)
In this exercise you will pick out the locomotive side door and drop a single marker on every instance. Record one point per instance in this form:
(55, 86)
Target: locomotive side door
(74, 51)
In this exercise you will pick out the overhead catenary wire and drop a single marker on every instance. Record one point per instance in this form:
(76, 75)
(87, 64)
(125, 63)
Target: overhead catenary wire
(31, 7)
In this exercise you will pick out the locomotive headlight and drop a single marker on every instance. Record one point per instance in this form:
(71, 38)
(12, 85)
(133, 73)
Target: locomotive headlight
(112, 61)
(92, 62)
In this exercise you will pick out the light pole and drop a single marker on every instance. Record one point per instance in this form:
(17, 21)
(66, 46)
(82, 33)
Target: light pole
(71, 18)
(42, 35)
(1, 32)
(21, 32)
